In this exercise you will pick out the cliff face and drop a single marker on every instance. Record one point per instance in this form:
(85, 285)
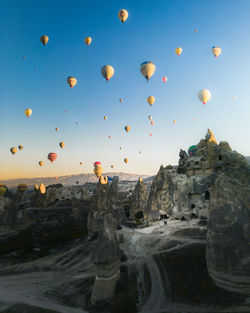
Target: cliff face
(139, 199)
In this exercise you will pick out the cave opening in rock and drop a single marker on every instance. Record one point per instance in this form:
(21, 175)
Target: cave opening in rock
(192, 206)
(220, 157)
(207, 195)
(139, 215)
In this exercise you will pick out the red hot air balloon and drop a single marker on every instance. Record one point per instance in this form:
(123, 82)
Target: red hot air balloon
(164, 79)
(52, 156)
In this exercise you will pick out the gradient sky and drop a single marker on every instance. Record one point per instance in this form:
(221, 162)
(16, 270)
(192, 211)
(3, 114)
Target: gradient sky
(152, 32)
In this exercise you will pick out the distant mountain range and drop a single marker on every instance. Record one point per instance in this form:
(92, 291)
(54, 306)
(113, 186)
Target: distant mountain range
(71, 179)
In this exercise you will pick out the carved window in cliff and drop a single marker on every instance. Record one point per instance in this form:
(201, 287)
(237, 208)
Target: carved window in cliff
(207, 195)
(192, 206)
(220, 158)
(139, 215)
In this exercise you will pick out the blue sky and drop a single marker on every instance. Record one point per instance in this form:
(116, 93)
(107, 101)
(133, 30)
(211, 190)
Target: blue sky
(152, 32)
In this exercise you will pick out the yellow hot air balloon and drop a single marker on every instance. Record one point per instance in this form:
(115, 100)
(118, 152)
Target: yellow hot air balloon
(62, 144)
(123, 15)
(105, 117)
(98, 170)
(178, 51)
(71, 81)
(28, 112)
(174, 121)
(2, 191)
(80, 163)
(216, 51)
(151, 100)
(127, 128)
(120, 100)
(44, 39)
(152, 122)
(204, 95)
(147, 69)
(40, 163)
(107, 71)
(20, 147)
(88, 40)
(126, 160)
(13, 150)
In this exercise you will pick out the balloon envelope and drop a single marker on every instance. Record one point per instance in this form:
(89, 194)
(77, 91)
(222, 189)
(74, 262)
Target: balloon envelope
(20, 147)
(164, 79)
(62, 144)
(40, 163)
(13, 150)
(151, 100)
(52, 156)
(123, 15)
(216, 51)
(147, 69)
(204, 95)
(28, 112)
(88, 40)
(71, 81)
(44, 39)
(107, 71)
(127, 128)
(178, 51)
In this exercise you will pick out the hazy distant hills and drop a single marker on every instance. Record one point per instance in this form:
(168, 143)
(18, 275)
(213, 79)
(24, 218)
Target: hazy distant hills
(71, 179)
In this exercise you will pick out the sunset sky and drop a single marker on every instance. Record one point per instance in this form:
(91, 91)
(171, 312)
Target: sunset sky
(152, 32)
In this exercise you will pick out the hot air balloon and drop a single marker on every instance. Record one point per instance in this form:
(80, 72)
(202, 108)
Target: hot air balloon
(105, 117)
(174, 121)
(109, 137)
(107, 71)
(194, 119)
(80, 163)
(56, 129)
(139, 152)
(120, 148)
(234, 98)
(192, 150)
(204, 95)
(98, 170)
(22, 187)
(151, 100)
(123, 15)
(112, 166)
(216, 51)
(120, 100)
(40, 163)
(152, 122)
(126, 160)
(88, 40)
(13, 150)
(28, 112)
(20, 147)
(195, 30)
(151, 134)
(150, 117)
(127, 128)
(2, 190)
(164, 79)
(24, 57)
(52, 156)
(178, 51)
(66, 111)
(71, 81)
(147, 69)
(76, 123)
(62, 144)
(44, 39)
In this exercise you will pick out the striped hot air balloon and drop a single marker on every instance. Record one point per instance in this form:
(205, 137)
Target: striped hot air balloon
(52, 156)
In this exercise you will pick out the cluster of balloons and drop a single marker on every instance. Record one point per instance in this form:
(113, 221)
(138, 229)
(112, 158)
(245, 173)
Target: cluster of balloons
(14, 150)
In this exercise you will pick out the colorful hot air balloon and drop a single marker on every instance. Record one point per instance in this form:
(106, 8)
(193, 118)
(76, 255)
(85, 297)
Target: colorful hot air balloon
(126, 160)
(13, 150)
(22, 187)
(44, 39)
(204, 95)
(192, 150)
(2, 191)
(152, 122)
(28, 112)
(56, 129)
(120, 100)
(216, 51)
(151, 100)
(195, 30)
(88, 40)
(178, 51)
(40, 163)
(98, 170)
(123, 15)
(147, 69)
(52, 156)
(62, 144)
(127, 128)
(164, 79)
(174, 121)
(150, 117)
(71, 81)
(20, 147)
(107, 72)
(105, 117)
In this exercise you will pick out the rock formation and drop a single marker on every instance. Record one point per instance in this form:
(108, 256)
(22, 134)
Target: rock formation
(228, 240)
(8, 215)
(139, 200)
(106, 258)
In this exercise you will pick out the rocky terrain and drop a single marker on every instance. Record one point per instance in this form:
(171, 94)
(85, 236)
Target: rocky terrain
(176, 242)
